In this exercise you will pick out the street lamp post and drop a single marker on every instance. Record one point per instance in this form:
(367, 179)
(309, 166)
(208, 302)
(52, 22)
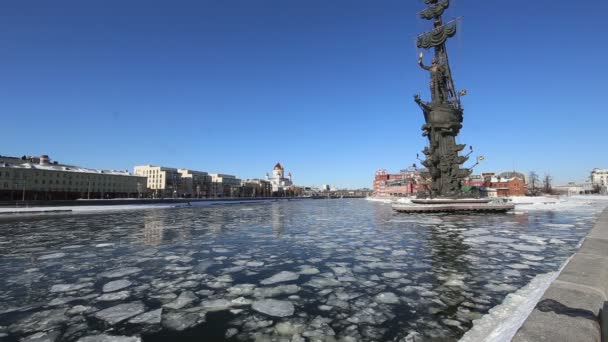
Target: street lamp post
(23, 193)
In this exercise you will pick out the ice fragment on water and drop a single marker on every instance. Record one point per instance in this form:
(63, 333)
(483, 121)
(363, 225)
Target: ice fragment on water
(41, 337)
(51, 256)
(108, 297)
(216, 305)
(288, 328)
(282, 276)
(120, 272)
(254, 263)
(241, 290)
(274, 307)
(69, 287)
(78, 310)
(386, 298)
(185, 298)
(309, 270)
(262, 292)
(116, 285)
(392, 275)
(526, 248)
(231, 332)
(181, 321)
(120, 312)
(109, 338)
(150, 317)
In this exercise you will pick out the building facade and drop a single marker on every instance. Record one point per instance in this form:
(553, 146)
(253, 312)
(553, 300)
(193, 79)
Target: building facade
(194, 184)
(280, 183)
(256, 188)
(162, 181)
(406, 183)
(37, 178)
(514, 186)
(475, 181)
(599, 177)
(223, 185)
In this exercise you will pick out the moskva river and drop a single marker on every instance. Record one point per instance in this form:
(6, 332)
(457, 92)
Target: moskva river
(307, 270)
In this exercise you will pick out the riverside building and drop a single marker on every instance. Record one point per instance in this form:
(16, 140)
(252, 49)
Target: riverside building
(405, 183)
(161, 181)
(37, 178)
(280, 183)
(256, 188)
(223, 185)
(171, 182)
(599, 180)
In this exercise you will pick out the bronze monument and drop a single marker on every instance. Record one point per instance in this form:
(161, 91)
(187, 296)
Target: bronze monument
(443, 114)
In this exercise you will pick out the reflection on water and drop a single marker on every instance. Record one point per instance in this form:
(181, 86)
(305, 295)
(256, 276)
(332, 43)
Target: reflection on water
(297, 270)
(153, 229)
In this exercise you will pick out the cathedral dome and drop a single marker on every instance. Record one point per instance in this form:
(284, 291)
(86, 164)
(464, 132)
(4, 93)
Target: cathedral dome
(278, 167)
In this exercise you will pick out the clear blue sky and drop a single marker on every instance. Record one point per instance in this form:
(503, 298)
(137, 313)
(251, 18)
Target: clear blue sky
(323, 86)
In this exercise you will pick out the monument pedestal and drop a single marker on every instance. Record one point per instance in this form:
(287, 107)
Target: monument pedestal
(446, 205)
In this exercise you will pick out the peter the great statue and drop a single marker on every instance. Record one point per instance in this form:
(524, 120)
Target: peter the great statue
(443, 114)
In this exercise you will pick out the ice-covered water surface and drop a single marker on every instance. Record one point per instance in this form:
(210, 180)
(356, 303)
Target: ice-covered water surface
(317, 270)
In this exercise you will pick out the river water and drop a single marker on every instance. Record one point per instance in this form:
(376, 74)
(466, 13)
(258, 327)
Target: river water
(309, 270)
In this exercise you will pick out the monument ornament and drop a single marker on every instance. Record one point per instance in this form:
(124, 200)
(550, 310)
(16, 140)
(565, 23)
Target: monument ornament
(443, 114)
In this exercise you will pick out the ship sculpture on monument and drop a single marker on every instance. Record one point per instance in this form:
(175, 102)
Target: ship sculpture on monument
(443, 117)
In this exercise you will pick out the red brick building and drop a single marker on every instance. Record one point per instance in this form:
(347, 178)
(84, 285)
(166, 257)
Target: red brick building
(508, 186)
(475, 180)
(403, 184)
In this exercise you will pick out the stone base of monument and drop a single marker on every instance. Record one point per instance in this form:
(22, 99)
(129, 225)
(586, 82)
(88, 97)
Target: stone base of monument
(446, 205)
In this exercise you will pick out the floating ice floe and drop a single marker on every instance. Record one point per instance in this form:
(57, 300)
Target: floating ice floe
(392, 275)
(185, 298)
(69, 287)
(116, 285)
(150, 317)
(241, 290)
(274, 307)
(112, 296)
(309, 270)
(387, 298)
(51, 256)
(216, 305)
(263, 292)
(120, 272)
(182, 320)
(526, 248)
(255, 264)
(280, 277)
(109, 338)
(120, 312)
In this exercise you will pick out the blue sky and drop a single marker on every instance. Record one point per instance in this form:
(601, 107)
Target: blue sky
(325, 87)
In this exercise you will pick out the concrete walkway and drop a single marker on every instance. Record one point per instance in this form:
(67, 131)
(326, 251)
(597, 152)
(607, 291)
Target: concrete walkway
(569, 310)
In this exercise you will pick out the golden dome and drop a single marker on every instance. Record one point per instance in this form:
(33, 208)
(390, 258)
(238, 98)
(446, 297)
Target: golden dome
(278, 167)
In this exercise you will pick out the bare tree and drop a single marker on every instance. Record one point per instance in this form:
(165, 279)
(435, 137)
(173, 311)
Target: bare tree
(533, 181)
(547, 183)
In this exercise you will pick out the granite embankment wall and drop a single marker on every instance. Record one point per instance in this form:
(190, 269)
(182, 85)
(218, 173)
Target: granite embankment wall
(571, 308)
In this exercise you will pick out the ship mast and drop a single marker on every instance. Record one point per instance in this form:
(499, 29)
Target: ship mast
(436, 39)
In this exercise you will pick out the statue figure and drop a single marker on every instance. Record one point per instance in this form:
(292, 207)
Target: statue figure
(439, 84)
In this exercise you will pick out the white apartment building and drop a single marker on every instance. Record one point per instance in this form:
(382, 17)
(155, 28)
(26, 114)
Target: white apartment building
(599, 177)
(162, 181)
(36, 178)
(223, 185)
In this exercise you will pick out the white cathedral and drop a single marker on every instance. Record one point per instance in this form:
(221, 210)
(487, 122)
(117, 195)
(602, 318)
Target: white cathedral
(278, 180)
